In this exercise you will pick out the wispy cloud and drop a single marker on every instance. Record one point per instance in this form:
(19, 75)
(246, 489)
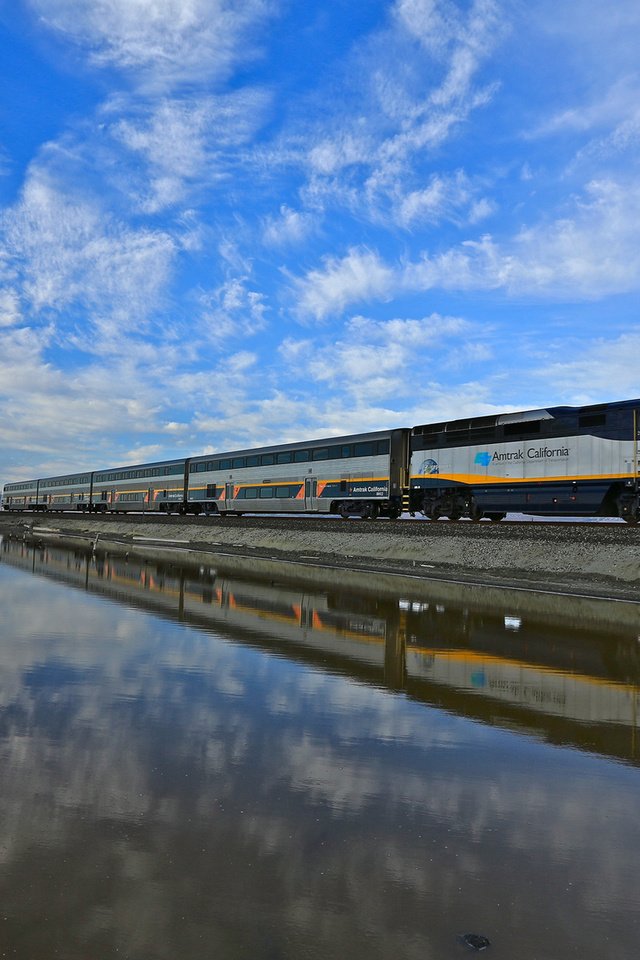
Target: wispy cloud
(177, 146)
(160, 45)
(379, 360)
(591, 252)
(68, 250)
(232, 310)
(359, 275)
(590, 372)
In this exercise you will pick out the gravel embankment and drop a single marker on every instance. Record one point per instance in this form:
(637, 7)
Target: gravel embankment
(594, 558)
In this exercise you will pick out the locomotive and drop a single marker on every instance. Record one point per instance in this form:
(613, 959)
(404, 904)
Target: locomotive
(559, 461)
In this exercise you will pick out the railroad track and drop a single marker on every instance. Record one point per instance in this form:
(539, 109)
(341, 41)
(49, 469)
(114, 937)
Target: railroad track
(405, 527)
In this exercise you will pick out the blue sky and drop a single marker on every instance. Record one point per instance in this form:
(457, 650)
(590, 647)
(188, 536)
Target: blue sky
(226, 223)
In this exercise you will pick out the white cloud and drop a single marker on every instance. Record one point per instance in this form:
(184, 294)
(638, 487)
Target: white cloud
(606, 369)
(10, 313)
(69, 251)
(290, 227)
(592, 252)
(343, 150)
(161, 44)
(447, 34)
(360, 275)
(408, 86)
(446, 197)
(184, 143)
(378, 359)
(81, 411)
(232, 310)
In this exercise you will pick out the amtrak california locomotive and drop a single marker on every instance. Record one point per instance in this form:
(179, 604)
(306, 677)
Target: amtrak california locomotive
(561, 461)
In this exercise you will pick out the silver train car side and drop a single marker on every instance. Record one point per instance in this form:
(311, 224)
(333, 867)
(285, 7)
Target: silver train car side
(558, 461)
(561, 461)
(361, 475)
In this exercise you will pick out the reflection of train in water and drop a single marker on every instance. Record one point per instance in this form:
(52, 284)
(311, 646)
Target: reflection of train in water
(572, 683)
(559, 461)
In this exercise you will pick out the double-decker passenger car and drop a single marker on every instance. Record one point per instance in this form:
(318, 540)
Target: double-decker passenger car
(559, 461)
(362, 475)
(147, 486)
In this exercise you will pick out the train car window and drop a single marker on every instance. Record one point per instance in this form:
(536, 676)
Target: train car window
(282, 492)
(481, 423)
(432, 440)
(383, 446)
(238, 463)
(456, 425)
(253, 461)
(363, 449)
(193, 467)
(225, 464)
(482, 436)
(521, 429)
(266, 493)
(251, 493)
(302, 456)
(322, 453)
(592, 420)
(211, 489)
(284, 457)
(266, 459)
(202, 467)
(457, 436)
(343, 486)
(430, 428)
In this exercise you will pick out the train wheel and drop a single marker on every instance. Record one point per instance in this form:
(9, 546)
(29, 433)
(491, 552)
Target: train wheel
(495, 517)
(632, 519)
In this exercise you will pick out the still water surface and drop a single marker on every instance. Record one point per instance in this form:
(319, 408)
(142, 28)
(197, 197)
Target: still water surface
(197, 766)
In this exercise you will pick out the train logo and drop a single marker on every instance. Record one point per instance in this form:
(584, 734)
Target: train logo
(483, 459)
(429, 466)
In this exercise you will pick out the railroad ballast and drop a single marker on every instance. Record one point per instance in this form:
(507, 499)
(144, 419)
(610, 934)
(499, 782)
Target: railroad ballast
(558, 461)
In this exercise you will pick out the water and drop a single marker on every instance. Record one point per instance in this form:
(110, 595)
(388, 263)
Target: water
(197, 766)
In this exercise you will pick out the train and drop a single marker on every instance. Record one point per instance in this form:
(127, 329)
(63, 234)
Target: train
(563, 461)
